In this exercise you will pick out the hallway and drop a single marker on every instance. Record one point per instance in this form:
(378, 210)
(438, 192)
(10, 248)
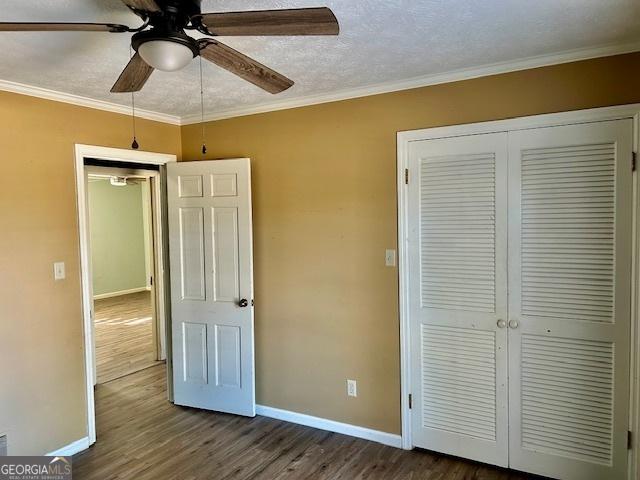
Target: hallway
(124, 335)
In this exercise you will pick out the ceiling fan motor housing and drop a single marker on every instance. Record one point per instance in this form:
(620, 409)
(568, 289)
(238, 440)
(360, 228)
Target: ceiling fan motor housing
(174, 14)
(184, 8)
(169, 24)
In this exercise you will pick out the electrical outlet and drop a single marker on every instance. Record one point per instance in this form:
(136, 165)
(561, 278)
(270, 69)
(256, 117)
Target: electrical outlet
(352, 388)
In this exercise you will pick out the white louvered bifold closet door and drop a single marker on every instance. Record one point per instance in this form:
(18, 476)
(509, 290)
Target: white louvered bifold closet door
(456, 241)
(570, 205)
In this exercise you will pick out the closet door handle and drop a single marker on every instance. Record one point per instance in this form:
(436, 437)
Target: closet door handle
(513, 324)
(502, 323)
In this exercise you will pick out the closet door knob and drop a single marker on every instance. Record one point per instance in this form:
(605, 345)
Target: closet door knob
(502, 323)
(513, 324)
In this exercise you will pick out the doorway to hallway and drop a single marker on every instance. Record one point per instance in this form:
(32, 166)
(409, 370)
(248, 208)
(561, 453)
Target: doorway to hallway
(122, 256)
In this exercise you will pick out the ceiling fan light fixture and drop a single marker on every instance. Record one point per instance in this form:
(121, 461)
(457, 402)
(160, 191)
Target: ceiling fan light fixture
(161, 42)
(118, 181)
(166, 55)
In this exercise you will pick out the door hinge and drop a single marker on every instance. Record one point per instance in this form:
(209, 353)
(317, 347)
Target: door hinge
(634, 157)
(406, 176)
(629, 440)
(150, 281)
(410, 401)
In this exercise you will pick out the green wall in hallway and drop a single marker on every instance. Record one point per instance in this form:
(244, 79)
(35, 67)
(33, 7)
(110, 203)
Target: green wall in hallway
(117, 222)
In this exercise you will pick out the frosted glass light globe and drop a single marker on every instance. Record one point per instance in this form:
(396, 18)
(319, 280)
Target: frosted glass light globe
(165, 55)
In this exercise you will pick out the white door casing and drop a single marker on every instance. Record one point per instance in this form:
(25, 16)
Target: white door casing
(83, 152)
(570, 220)
(457, 261)
(210, 245)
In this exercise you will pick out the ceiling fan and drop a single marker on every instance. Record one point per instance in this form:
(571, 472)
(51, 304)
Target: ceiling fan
(161, 42)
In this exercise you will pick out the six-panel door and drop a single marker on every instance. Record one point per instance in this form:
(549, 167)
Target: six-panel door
(211, 285)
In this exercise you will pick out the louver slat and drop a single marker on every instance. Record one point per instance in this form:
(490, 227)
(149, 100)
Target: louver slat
(568, 196)
(567, 397)
(457, 221)
(458, 381)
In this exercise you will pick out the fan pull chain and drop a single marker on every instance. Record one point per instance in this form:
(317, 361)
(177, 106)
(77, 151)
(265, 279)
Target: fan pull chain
(134, 144)
(204, 145)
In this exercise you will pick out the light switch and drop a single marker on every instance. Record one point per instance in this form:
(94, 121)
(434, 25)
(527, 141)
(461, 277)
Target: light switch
(352, 388)
(58, 271)
(390, 258)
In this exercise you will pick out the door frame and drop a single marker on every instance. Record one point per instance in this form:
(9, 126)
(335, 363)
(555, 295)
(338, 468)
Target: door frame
(404, 138)
(117, 155)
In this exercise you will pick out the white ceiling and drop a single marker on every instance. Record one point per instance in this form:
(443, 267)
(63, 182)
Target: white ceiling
(381, 41)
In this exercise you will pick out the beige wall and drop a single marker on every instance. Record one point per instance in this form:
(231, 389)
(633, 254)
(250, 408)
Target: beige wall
(324, 200)
(42, 399)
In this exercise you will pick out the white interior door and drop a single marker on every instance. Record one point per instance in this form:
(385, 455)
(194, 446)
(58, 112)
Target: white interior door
(210, 248)
(457, 247)
(570, 208)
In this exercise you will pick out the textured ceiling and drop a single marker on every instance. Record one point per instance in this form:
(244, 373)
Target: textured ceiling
(381, 41)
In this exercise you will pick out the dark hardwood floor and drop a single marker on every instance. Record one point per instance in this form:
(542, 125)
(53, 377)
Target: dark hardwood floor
(142, 436)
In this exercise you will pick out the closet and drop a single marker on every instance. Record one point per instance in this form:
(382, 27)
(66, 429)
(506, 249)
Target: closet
(518, 267)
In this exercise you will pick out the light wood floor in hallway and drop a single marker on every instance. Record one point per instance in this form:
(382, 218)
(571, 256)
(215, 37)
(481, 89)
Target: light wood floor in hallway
(124, 335)
(142, 436)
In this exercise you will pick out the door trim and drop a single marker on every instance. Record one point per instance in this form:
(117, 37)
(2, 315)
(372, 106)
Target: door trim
(521, 123)
(121, 155)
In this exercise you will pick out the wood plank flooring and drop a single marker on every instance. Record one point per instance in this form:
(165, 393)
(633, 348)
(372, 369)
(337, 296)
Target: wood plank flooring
(124, 335)
(142, 436)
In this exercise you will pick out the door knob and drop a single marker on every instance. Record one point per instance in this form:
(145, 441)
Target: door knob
(513, 324)
(502, 323)
(243, 303)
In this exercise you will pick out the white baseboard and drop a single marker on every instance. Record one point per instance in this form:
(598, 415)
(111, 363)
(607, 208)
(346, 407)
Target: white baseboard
(121, 292)
(71, 449)
(330, 425)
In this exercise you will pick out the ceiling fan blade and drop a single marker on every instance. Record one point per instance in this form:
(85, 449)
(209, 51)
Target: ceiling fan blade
(149, 6)
(243, 66)
(134, 76)
(297, 21)
(61, 27)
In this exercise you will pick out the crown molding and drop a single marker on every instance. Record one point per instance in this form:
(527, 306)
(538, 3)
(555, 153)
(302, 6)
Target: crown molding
(423, 81)
(387, 87)
(47, 94)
